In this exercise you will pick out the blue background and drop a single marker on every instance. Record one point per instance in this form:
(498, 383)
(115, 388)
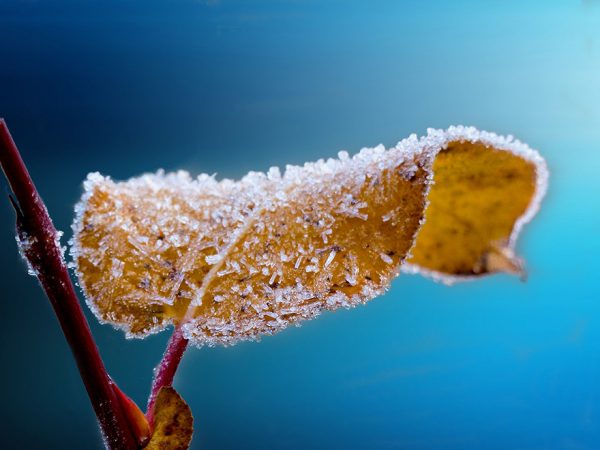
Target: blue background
(230, 86)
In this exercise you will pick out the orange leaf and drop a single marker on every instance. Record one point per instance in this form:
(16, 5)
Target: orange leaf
(173, 422)
(233, 260)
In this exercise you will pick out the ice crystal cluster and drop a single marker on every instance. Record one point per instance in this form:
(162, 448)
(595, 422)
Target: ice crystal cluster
(232, 260)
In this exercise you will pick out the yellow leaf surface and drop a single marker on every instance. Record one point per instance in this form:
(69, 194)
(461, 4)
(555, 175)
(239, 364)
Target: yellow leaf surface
(233, 260)
(478, 202)
(173, 422)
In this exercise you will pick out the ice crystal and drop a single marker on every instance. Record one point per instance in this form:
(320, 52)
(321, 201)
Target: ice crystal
(25, 243)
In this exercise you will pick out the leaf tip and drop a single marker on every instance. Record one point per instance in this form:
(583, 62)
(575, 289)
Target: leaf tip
(503, 259)
(136, 419)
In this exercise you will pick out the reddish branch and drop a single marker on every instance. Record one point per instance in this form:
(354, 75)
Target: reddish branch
(165, 371)
(43, 252)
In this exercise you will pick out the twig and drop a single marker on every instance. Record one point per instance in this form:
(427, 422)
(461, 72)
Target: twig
(41, 247)
(165, 371)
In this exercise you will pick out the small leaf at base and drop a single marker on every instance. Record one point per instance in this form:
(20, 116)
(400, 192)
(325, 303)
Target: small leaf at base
(173, 422)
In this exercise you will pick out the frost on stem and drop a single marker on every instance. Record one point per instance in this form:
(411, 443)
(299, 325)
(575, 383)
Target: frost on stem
(26, 245)
(231, 260)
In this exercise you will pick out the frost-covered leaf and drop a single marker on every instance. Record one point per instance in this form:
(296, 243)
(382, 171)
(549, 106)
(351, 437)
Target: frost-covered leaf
(173, 422)
(236, 260)
(233, 260)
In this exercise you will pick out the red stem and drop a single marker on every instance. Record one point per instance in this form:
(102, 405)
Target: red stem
(165, 371)
(44, 254)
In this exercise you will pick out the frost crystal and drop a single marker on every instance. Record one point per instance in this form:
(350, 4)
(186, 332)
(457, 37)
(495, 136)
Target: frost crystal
(24, 244)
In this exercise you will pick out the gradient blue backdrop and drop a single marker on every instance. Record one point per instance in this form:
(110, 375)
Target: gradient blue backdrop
(125, 87)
